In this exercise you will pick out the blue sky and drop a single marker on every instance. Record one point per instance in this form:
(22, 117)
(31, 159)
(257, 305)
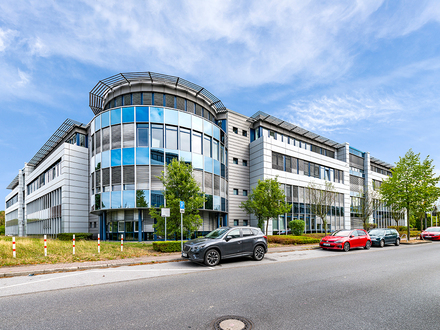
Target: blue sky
(363, 72)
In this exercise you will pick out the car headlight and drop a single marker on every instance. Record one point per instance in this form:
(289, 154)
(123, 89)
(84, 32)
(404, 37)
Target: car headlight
(197, 248)
(338, 241)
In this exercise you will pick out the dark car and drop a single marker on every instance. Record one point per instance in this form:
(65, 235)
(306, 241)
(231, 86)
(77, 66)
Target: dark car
(226, 242)
(346, 239)
(432, 233)
(381, 237)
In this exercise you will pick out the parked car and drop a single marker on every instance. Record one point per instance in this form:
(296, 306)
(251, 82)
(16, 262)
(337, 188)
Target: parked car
(346, 239)
(381, 236)
(226, 242)
(432, 233)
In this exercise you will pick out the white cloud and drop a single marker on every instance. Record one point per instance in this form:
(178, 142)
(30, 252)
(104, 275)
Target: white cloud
(340, 112)
(6, 37)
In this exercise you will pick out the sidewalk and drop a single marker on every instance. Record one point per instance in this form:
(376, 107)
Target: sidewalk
(27, 270)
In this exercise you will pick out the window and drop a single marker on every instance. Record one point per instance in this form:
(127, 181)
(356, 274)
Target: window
(235, 192)
(245, 223)
(142, 135)
(235, 160)
(207, 146)
(245, 193)
(185, 139)
(235, 223)
(235, 130)
(157, 136)
(246, 231)
(171, 137)
(244, 133)
(244, 162)
(197, 142)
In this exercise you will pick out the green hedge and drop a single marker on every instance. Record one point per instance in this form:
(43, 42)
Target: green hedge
(168, 246)
(399, 228)
(2, 230)
(412, 233)
(78, 236)
(292, 240)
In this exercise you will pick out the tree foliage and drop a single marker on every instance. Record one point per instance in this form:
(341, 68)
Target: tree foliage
(412, 185)
(321, 199)
(370, 198)
(179, 185)
(2, 218)
(267, 200)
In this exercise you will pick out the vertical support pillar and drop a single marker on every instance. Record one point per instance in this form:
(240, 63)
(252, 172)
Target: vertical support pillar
(140, 236)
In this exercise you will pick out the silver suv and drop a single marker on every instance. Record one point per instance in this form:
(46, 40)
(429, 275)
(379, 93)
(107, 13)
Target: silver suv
(226, 242)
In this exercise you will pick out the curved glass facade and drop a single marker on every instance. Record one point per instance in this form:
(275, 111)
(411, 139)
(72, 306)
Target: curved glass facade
(131, 146)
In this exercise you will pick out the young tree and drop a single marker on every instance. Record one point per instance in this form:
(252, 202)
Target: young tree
(368, 203)
(179, 185)
(267, 200)
(412, 185)
(321, 199)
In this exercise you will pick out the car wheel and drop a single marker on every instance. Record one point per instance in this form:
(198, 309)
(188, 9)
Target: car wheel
(346, 247)
(212, 258)
(397, 242)
(367, 245)
(382, 243)
(258, 253)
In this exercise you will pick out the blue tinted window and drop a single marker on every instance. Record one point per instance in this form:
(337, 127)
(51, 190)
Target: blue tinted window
(142, 135)
(216, 132)
(116, 116)
(185, 156)
(116, 157)
(98, 161)
(127, 115)
(216, 167)
(116, 200)
(128, 156)
(197, 142)
(97, 123)
(208, 164)
(170, 155)
(157, 157)
(197, 123)
(171, 137)
(142, 114)
(157, 199)
(215, 150)
(185, 119)
(171, 117)
(105, 200)
(142, 156)
(223, 170)
(185, 139)
(197, 161)
(156, 136)
(207, 146)
(156, 115)
(217, 203)
(105, 159)
(128, 199)
(142, 198)
(207, 128)
(105, 121)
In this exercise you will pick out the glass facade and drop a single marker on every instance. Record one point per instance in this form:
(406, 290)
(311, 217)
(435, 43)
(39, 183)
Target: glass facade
(140, 141)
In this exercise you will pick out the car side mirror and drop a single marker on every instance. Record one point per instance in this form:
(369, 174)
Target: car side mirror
(228, 238)
(351, 236)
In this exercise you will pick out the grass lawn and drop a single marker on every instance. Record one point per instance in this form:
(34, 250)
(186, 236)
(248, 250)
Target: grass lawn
(31, 251)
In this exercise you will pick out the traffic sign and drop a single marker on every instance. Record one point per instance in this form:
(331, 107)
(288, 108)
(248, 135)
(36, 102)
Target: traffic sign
(165, 212)
(182, 205)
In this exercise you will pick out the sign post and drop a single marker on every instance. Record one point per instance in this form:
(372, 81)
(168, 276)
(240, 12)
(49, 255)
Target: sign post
(164, 214)
(182, 210)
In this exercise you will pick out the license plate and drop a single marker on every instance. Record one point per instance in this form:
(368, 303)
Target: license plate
(184, 254)
(326, 244)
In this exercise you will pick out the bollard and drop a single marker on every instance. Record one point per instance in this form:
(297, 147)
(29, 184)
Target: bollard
(13, 247)
(99, 244)
(45, 246)
(122, 242)
(74, 244)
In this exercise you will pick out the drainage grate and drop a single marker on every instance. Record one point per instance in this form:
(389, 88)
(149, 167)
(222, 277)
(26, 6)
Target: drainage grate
(232, 322)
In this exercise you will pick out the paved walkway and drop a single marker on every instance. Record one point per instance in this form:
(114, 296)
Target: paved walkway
(26, 270)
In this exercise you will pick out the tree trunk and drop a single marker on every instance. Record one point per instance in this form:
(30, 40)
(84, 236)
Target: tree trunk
(267, 226)
(407, 222)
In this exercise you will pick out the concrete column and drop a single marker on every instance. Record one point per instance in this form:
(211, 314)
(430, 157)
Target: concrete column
(21, 186)
(368, 184)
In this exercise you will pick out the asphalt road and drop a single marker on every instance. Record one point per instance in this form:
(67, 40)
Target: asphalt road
(389, 288)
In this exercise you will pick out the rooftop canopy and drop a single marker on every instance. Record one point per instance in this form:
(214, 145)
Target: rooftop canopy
(103, 87)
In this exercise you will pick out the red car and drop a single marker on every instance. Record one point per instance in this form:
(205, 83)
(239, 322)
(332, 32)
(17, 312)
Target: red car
(432, 233)
(346, 239)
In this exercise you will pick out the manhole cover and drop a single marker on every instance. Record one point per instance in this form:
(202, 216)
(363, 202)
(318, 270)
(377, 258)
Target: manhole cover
(231, 322)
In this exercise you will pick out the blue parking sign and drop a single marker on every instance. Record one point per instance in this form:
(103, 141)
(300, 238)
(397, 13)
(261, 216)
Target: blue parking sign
(182, 205)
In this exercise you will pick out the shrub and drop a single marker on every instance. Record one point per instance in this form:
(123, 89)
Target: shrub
(2, 230)
(78, 236)
(297, 227)
(399, 228)
(292, 240)
(168, 246)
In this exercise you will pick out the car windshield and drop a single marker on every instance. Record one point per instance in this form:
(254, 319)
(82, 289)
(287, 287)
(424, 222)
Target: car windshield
(343, 233)
(433, 229)
(377, 232)
(219, 232)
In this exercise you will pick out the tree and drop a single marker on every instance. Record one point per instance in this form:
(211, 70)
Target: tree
(267, 200)
(321, 199)
(179, 185)
(412, 185)
(368, 203)
(2, 218)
